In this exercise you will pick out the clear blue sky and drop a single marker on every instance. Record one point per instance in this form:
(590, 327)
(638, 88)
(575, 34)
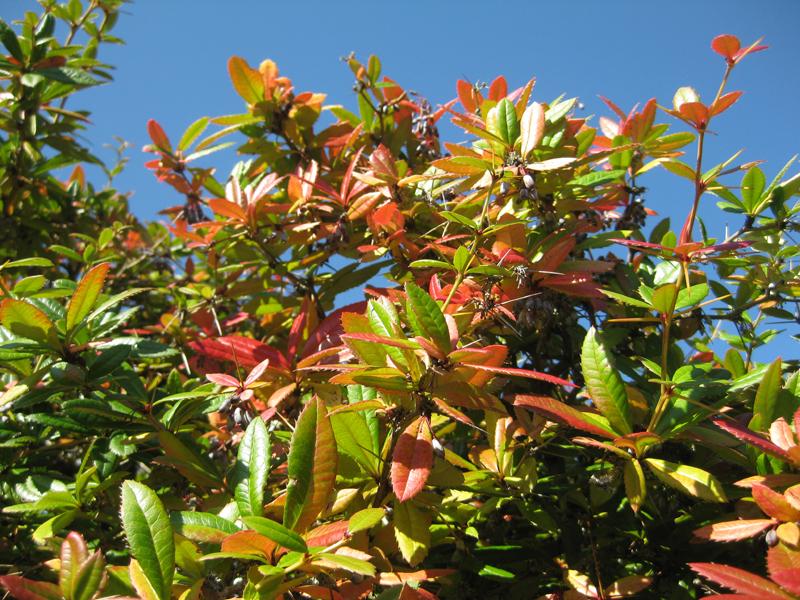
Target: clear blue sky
(173, 67)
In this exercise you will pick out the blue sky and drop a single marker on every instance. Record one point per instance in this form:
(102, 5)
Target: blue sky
(173, 66)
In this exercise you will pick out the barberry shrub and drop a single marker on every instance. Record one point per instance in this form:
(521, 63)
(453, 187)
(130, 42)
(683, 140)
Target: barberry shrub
(372, 363)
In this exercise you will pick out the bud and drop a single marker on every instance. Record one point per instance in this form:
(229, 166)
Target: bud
(527, 180)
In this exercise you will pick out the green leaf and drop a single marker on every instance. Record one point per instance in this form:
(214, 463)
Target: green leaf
(354, 439)
(365, 519)
(277, 533)
(201, 526)
(86, 294)
(598, 178)
(53, 526)
(765, 405)
(689, 480)
(149, 534)
(10, 41)
(691, 296)
(507, 123)
(311, 467)
(604, 384)
(461, 258)
(192, 133)
(626, 299)
(753, 184)
(426, 318)
(348, 563)
(27, 262)
(663, 298)
(412, 531)
(249, 475)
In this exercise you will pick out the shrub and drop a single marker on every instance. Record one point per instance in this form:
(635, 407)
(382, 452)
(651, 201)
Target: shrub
(370, 363)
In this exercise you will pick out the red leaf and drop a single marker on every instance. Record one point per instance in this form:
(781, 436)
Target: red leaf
(696, 112)
(498, 89)
(730, 531)
(740, 581)
(328, 332)
(726, 45)
(788, 579)
(724, 102)
(781, 558)
(774, 504)
(412, 460)
(158, 136)
(236, 348)
(561, 413)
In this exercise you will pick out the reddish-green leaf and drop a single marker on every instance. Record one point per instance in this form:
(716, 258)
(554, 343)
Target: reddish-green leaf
(752, 438)
(201, 526)
(86, 294)
(28, 589)
(311, 467)
(562, 413)
(604, 384)
(412, 460)
(277, 533)
(25, 320)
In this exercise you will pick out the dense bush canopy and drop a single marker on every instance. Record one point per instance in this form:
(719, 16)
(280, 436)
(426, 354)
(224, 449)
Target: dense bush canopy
(372, 363)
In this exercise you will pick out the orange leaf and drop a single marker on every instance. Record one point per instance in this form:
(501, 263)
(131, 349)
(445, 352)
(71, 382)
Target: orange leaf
(726, 45)
(467, 95)
(399, 577)
(86, 294)
(740, 581)
(249, 542)
(774, 504)
(731, 531)
(412, 460)
(247, 82)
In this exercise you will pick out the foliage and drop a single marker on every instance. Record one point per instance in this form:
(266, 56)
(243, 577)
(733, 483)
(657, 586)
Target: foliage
(370, 363)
